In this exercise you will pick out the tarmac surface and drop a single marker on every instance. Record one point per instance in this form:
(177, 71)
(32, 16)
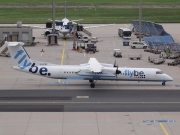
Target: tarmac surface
(128, 122)
(90, 101)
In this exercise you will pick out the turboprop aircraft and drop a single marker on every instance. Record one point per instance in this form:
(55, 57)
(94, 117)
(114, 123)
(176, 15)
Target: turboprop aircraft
(92, 71)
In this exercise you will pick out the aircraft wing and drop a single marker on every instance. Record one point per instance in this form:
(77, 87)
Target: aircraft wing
(35, 27)
(55, 20)
(88, 27)
(94, 65)
(76, 20)
(38, 27)
(73, 21)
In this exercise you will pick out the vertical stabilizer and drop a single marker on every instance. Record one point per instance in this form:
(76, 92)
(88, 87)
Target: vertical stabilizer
(19, 55)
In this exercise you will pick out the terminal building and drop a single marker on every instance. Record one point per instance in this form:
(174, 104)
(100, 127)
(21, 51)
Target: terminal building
(17, 34)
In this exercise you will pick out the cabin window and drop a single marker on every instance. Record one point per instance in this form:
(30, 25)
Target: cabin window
(159, 72)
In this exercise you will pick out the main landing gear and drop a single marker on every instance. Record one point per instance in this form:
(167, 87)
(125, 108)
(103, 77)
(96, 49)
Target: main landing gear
(163, 83)
(92, 85)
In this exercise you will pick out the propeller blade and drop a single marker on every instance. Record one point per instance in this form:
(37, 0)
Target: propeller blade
(115, 63)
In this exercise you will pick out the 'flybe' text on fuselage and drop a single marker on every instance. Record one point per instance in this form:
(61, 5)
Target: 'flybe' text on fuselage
(134, 73)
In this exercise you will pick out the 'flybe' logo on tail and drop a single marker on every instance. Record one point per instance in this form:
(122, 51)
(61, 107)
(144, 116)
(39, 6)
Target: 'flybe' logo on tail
(134, 73)
(23, 58)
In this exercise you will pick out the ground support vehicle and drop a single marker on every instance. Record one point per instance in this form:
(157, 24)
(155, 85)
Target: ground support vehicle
(91, 48)
(174, 55)
(132, 57)
(85, 39)
(175, 62)
(159, 60)
(152, 58)
(157, 51)
(117, 53)
(147, 49)
(94, 40)
(126, 42)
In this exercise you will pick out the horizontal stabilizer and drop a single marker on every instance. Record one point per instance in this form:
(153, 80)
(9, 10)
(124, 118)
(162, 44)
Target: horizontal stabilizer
(15, 43)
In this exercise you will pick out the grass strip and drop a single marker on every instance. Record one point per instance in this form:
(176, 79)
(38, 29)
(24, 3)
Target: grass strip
(98, 16)
(92, 2)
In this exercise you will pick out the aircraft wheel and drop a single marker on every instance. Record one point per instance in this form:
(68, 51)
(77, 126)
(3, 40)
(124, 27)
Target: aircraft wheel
(163, 83)
(92, 85)
(91, 81)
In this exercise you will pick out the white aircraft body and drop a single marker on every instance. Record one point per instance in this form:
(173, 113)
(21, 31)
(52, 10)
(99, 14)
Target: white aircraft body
(92, 71)
(65, 25)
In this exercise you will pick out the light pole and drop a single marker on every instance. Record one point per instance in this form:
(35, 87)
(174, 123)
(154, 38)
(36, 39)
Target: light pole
(53, 15)
(140, 18)
(74, 36)
(52, 38)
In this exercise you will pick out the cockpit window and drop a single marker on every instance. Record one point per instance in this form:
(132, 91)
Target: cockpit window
(159, 72)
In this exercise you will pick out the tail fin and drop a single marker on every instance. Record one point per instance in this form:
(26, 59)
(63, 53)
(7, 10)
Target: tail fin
(19, 55)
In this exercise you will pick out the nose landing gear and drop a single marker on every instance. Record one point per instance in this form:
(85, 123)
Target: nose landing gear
(163, 83)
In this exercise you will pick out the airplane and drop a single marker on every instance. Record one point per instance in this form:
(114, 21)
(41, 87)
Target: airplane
(65, 26)
(92, 71)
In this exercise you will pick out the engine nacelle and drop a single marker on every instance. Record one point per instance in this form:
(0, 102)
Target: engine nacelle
(47, 32)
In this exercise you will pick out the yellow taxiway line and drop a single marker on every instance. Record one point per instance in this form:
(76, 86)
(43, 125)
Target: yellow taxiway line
(164, 129)
(62, 57)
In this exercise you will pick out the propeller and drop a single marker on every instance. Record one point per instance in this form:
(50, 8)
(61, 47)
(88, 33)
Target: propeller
(115, 64)
(117, 71)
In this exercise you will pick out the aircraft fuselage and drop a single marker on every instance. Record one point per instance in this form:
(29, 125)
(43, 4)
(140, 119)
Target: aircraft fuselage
(108, 73)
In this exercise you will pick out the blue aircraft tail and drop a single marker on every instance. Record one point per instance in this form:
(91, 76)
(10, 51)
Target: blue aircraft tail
(19, 55)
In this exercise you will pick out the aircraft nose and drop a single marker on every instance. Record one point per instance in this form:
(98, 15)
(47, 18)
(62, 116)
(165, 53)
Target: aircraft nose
(169, 78)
